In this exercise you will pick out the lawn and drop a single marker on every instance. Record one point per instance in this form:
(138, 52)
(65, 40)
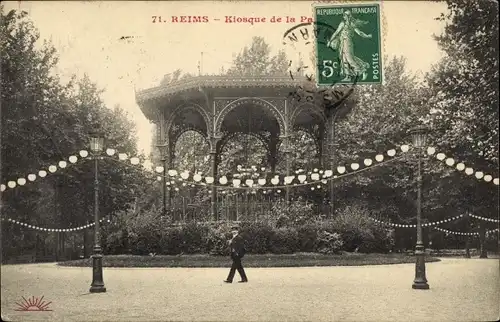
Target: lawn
(250, 260)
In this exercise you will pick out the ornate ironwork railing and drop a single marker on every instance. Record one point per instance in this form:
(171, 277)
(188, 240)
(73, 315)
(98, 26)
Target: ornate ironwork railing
(242, 208)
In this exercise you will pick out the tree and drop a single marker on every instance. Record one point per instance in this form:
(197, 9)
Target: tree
(154, 154)
(243, 150)
(46, 122)
(191, 153)
(465, 82)
(175, 76)
(256, 60)
(380, 120)
(464, 85)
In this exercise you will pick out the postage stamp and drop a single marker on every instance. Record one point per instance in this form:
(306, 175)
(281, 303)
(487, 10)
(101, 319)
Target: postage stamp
(354, 49)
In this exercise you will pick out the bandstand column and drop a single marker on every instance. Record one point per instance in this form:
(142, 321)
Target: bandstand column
(214, 156)
(163, 161)
(169, 164)
(286, 151)
(321, 162)
(166, 154)
(272, 157)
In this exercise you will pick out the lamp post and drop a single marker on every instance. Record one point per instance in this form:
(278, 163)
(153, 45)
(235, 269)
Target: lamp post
(96, 146)
(419, 138)
(163, 159)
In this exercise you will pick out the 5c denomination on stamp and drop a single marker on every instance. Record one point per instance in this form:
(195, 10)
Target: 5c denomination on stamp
(353, 51)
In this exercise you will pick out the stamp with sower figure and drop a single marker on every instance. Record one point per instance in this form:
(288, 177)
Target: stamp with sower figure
(353, 52)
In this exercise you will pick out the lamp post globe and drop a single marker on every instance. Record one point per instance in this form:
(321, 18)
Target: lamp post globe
(96, 147)
(419, 138)
(96, 141)
(419, 135)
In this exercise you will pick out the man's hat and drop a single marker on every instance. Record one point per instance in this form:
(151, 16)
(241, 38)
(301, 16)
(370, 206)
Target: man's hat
(235, 227)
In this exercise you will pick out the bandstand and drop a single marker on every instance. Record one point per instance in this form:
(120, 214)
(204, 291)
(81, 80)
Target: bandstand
(218, 107)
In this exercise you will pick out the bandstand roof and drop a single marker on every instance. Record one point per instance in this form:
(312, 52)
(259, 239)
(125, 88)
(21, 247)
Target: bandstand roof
(150, 100)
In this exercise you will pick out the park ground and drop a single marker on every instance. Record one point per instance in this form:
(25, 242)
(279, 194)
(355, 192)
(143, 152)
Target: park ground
(460, 290)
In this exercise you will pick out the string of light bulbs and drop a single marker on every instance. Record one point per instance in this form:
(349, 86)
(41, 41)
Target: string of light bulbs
(484, 219)
(42, 174)
(316, 176)
(462, 167)
(84, 154)
(17, 222)
(439, 222)
(464, 234)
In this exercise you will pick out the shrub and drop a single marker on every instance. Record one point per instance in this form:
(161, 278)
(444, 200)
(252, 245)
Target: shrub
(380, 241)
(143, 241)
(141, 244)
(353, 229)
(216, 240)
(359, 233)
(114, 235)
(296, 213)
(171, 241)
(142, 229)
(284, 241)
(185, 239)
(453, 252)
(329, 243)
(257, 237)
(194, 238)
(115, 242)
(491, 242)
(307, 236)
(300, 213)
(356, 231)
(146, 231)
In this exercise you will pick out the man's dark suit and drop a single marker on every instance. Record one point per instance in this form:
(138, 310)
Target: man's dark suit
(237, 252)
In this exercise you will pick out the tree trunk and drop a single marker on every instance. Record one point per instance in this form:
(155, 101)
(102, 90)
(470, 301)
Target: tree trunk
(482, 240)
(63, 246)
(57, 246)
(467, 239)
(36, 245)
(85, 243)
(467, 247)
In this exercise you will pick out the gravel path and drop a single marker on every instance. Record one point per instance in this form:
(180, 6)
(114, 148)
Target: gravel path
(461, 290)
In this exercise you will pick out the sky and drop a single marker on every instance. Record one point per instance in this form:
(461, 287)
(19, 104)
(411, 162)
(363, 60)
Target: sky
(87, 36)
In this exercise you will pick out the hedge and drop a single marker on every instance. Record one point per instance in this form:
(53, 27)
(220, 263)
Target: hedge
(260, 238)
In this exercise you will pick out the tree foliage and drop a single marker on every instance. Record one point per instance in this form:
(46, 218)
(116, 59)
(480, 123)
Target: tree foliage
(45, 121)
(464, 87)
(379, 121)
(256, 60)
(175, 76)
(465, 83)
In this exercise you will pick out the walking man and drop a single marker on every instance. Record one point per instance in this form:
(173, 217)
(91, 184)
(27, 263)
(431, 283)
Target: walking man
(237, 247)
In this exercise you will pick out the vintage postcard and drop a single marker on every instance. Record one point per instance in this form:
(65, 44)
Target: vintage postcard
(249, 160)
